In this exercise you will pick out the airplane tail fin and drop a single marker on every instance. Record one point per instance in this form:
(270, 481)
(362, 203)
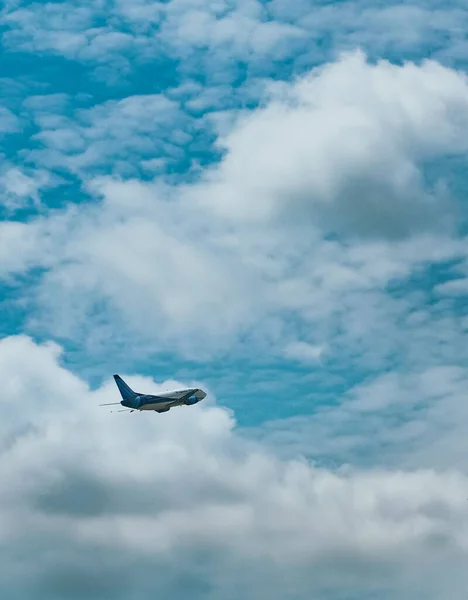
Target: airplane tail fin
(125, 391)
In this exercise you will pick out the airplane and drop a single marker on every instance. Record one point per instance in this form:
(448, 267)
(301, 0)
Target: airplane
(159, 403)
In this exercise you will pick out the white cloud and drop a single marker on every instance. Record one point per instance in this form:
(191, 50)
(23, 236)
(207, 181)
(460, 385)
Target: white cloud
(413, 419)
(140, 254)
(239, 32)
(19, 188)
(242, 32)
(197, 267)
(216, 36)
(303, 352)
(161, 489)
(9, 122)
(343, 149)
(459, 287)
(66, 29)
(124, 132)
(307, 34)
(453, 287)
(22, 247)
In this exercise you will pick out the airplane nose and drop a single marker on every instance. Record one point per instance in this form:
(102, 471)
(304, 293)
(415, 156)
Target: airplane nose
(200, 394)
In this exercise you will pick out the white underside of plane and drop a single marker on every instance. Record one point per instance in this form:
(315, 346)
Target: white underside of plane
(160, 405)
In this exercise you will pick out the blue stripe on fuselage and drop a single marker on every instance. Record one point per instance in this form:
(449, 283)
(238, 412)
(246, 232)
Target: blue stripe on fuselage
(143, 400)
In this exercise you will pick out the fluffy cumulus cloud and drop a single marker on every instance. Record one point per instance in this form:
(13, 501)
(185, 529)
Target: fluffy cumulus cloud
(100, 505)
(346, 146)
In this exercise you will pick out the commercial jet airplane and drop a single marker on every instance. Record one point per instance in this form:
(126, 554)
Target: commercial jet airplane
(159, 403)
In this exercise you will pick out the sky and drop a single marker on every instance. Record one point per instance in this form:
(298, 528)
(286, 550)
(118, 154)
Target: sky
(266, 200)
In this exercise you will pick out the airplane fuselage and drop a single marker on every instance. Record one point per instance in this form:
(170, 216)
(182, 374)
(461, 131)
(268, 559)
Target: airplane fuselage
(163, 402)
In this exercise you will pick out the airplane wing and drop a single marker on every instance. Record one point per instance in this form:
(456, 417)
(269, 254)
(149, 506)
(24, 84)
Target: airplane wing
(181, 399)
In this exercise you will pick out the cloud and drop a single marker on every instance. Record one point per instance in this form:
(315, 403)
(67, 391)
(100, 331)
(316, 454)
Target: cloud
(298, 221)
(242, 32)
(143, 31)
(83, 487)
(22, 247)
(65, 29)
(454, 287)
(18, 189)
(344, 149)
(154, 262)
(457, 284)
(115, 132)
(9, 123)
(220, 40)
(302, 351)
(409, 418)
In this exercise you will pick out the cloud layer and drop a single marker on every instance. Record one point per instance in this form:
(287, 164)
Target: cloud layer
(322, 198)
(187, 498)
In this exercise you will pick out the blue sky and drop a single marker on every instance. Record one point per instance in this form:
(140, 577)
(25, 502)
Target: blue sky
(267, 200)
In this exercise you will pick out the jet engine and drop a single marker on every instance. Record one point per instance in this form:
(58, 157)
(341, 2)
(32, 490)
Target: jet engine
(192, 400)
